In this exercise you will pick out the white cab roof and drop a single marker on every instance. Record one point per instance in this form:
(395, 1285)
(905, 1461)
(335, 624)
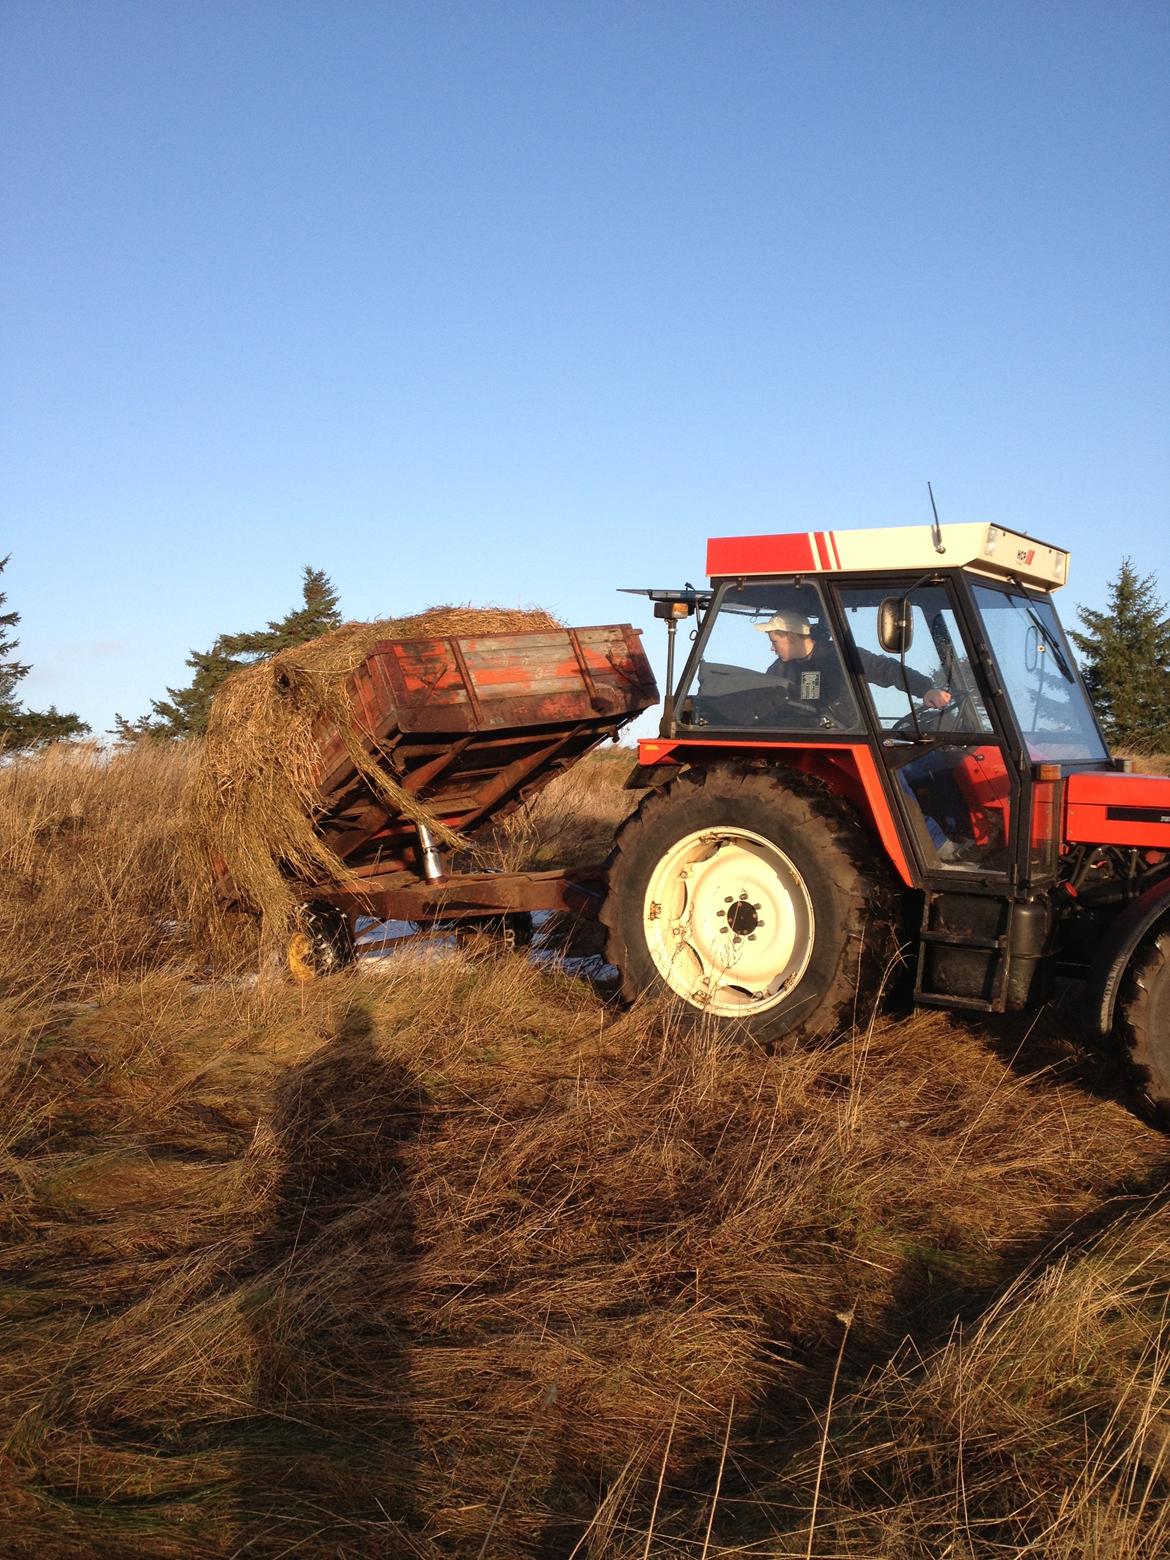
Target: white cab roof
(987, 549)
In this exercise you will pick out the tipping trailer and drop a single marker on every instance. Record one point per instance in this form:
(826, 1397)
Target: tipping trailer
(470, 727)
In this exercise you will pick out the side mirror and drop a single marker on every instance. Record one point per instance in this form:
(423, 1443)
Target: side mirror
(894, 625)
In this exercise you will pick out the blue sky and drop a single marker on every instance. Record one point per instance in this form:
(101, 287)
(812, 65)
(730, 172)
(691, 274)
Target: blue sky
(518, 303)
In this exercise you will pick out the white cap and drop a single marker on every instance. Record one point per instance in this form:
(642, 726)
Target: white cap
(784, 623)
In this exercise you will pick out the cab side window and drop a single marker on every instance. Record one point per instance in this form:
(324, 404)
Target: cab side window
(770, 663)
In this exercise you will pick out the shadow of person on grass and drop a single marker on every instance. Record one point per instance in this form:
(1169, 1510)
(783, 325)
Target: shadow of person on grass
(329, 1467)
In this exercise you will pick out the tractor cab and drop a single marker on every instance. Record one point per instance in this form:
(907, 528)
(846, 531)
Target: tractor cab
(941, 681)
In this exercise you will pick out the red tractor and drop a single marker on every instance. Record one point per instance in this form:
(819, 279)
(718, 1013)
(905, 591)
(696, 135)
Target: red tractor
(880, 741)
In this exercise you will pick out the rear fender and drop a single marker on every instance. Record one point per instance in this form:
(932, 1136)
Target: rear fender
(850, 770)
(1118, 947)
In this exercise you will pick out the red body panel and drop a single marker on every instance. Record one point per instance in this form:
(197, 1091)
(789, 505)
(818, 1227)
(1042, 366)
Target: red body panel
(1110, 808)
(766, 554)
(851, 770)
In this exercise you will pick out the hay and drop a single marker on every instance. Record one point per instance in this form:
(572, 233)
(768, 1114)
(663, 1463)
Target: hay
(253, 795)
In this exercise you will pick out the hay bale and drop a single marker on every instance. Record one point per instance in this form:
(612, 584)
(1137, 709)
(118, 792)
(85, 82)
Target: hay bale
(253, 794)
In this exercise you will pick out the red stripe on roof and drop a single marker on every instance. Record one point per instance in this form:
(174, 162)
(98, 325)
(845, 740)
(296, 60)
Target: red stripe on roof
(822, 550)
(833, 545)
(786, 554)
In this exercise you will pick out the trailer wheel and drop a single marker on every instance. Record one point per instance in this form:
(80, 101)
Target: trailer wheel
(1145, 1019)
(322, 944)
(754, 898)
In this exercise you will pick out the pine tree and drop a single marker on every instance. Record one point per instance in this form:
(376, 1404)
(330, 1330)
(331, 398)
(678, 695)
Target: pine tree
(184, 712)
(22, 729)
(1126, 662)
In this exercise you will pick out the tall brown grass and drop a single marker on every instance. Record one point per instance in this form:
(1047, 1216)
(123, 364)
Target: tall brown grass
(1148, 763)
(1040, 1428)
(450, 1259)
(92, 890)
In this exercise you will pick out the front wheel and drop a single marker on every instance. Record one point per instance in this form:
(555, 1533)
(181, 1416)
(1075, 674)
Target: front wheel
(754, 898)
(1145, 1019)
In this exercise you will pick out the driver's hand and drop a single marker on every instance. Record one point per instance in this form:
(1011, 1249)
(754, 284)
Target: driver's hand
(936, 698)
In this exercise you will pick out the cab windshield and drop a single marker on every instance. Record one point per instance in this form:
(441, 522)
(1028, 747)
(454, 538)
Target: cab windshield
(1039, 677)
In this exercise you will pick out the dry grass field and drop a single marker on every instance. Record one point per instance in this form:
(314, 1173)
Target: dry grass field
(449, 1257)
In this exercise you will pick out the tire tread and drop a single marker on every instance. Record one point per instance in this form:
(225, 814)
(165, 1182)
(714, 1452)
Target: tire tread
(852, 861)
(1147, 982)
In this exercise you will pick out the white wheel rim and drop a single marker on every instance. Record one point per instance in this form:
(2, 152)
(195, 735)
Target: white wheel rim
(728, 922)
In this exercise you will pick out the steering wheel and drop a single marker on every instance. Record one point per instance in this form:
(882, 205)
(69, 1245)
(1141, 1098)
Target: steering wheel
(930, 720)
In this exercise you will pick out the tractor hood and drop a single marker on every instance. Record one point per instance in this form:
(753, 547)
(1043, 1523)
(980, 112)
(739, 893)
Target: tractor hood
(1111, 808)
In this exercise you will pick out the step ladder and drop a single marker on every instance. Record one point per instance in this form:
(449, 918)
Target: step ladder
(964, 951)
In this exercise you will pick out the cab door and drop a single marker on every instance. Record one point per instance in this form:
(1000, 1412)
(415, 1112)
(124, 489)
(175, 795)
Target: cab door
(948, 765)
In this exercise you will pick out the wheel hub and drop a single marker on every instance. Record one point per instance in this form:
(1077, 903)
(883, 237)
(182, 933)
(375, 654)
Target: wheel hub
(743, 918)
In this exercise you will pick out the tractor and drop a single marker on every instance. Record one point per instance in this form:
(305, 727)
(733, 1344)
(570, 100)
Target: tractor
(879, 753)
(878, 768)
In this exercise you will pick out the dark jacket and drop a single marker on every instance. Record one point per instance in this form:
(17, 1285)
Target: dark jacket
(819, 680)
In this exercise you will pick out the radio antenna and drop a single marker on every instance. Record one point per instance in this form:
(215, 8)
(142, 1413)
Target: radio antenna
(935, 528)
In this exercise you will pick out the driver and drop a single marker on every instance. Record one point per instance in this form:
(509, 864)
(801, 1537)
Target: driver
(811, 674)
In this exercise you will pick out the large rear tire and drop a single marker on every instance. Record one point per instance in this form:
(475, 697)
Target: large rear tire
(1145, 1019)
(755, 899)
